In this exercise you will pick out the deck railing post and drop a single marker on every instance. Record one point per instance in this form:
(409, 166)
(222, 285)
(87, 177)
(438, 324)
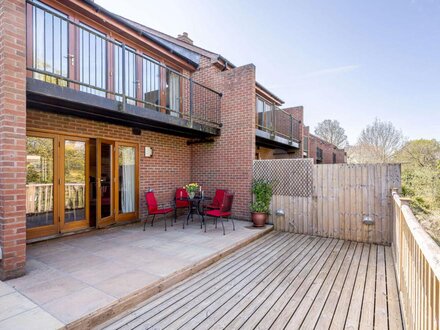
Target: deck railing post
(191, 101)
(124, 100)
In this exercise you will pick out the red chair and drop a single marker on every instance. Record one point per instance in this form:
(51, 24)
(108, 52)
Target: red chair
(223, 212)
(217, 200)
(179, 203)
(154, 210)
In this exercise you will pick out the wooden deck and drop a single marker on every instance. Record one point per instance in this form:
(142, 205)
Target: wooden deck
(281, 281)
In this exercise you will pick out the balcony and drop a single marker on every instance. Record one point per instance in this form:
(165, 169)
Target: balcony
(75, 69)
(276, 127)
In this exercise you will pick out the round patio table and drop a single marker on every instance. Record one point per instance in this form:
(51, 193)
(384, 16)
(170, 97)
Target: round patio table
(195, 204)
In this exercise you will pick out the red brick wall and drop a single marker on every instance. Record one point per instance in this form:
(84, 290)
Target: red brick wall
(327, 151)
(12, 138)
(227, 163)
(168, 169)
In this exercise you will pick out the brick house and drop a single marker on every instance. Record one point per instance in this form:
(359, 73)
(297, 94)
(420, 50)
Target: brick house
(95, 109)
(305, 144)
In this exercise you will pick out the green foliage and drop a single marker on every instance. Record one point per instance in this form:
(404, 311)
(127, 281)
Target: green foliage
(421, 174)
(262, 191)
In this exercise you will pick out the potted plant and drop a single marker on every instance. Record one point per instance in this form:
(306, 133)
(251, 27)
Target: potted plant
(260, 207)
(191, 189)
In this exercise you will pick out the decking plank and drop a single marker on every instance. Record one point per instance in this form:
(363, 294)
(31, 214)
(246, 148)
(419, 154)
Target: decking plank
(254, 312)
(313, 282)
(239, 308)
(319, 288)
(220, 307)
(284, 281)
(381, 310)
(393, 302)
(267, 321)
(226, 267)
(198, 300)
(340, 314)
(329, 290)
(199, 309)
(368, 303)
(357, 298)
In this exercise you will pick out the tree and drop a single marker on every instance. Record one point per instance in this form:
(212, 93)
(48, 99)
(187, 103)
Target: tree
(421, 173)
(332, 132)
(378, 143)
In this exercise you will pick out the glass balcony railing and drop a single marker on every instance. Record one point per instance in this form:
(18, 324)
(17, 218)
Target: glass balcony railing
(75, 55)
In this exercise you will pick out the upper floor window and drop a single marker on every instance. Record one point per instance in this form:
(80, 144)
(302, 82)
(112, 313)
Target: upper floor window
(50, 44)
(264, 113)
(92, 60)
(334, 158)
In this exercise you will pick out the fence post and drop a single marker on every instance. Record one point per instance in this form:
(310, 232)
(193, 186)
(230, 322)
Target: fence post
(124, 101)
(191, 102)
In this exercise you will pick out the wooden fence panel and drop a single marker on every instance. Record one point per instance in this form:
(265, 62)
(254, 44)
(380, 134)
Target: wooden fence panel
(340, 196)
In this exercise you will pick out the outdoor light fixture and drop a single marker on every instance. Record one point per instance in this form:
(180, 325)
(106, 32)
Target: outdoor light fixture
(279, 212)
(367, 220)
(148, 152)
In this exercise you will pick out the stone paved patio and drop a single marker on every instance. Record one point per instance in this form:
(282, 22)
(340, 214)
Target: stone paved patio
(71, 277)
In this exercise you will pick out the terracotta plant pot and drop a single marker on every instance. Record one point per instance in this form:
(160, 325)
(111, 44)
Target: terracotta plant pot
(259, 219)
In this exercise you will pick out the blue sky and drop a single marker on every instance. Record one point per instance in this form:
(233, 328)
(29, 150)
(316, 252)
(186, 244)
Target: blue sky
(349, 60)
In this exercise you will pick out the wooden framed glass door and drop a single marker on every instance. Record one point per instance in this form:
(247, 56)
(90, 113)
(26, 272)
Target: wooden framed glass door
(127, 178)
(105, 179)
(41, 188)
(74, 183)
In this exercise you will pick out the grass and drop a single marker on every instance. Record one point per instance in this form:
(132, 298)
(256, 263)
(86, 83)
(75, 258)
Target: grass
(431, 223)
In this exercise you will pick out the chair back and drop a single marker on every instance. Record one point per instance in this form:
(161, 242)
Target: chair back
(226, 205)
(181, 193)
(219, 197)
(151, 201)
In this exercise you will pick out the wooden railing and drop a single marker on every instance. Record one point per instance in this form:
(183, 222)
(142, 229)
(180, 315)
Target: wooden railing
(39, 197)
(417, 261)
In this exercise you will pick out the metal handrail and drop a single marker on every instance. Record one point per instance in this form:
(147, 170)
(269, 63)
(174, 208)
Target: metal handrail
(190, 99)
(288, 128)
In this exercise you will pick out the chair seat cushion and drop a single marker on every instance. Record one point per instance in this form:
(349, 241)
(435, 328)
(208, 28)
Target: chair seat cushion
(162, 211)
(213, 206)
(217, 213)
(181, 204)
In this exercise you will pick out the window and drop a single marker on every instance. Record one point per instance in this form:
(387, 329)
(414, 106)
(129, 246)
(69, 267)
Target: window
(318, 155)
(334, 158)
(130, 73)
(264, 113)
(50, 44)
(93, 60)
(151, 83)
(173, 92)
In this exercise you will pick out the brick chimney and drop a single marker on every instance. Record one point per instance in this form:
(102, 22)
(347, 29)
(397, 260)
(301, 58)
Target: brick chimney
(184, 37)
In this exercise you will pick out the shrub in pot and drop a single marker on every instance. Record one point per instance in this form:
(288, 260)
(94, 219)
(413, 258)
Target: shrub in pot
(260, 207)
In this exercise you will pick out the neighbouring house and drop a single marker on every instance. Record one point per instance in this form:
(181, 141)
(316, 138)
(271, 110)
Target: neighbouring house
(278, 144)
(96, 109)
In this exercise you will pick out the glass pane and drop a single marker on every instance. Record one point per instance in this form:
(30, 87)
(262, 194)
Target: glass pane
(151, 84)
(130, 73)
(106, 180)
(127, 177)
(39, 181)
(173, 92)
(50, 45)
(75, 180)
(93, 50)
